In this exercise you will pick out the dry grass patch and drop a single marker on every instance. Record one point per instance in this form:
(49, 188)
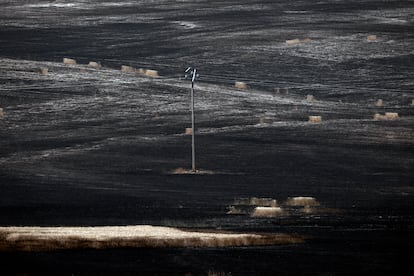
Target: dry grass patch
(58, 238)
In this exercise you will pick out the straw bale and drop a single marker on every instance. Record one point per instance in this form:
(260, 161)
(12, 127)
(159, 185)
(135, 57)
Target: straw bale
(43, 71)
(266, 212)
(151, 73)
(302, 201)
(189, 131)
(372, 38)
(240, 85)
(127, 69)
(391, 115)
(378, 116)
(310, 98)
(1, 113)
(69, 61)
(293, 41)
(379, 103)
(94, 64)
(315, 119)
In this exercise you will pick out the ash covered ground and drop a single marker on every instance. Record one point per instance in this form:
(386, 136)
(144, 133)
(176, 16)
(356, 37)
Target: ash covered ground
(82, 146)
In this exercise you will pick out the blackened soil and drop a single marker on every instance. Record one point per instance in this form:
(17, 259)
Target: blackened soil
(82, 146)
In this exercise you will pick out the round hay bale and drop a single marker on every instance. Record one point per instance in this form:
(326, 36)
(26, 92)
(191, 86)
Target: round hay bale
(302, 201)
(127, 69)
(391, 115)
(240, 85)
(310, 98)
(43, 71)
(69, 61)
(315, 119)
(372, 38)
(189, 131)
(94, 64)
(266, 212)
(379, 103)
(293, 41)
(151, 73)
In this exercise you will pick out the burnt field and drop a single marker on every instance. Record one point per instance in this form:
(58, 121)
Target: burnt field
(85, 146)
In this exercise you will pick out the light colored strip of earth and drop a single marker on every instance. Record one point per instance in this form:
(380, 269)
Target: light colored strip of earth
(102, 237)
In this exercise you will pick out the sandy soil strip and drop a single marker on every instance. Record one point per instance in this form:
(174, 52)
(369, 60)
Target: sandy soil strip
(56, 238)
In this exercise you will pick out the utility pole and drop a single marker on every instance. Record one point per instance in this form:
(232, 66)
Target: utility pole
(193, 74)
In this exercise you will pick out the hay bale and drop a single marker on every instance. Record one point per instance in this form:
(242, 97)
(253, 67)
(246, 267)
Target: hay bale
(262, 119)
(127, 69)
(302, 201)
(240, 85)
(151, 73)
(94, 64)
(69, 61)
(266, 212)
(315, 119)
(43, 71)
(189, 131)
(391, 115)
(379, 103)
(310, 98)
(140, 71)
(1, 113)
(378, 116)
(372, 38)
(293, 41)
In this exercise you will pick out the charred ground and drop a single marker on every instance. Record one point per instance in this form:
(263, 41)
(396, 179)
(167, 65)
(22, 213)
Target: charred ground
(82, 146)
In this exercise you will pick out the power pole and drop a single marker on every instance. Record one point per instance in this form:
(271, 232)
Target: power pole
(193, 74)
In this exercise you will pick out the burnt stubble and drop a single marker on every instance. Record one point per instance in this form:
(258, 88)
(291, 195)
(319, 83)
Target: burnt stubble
(84, 146)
